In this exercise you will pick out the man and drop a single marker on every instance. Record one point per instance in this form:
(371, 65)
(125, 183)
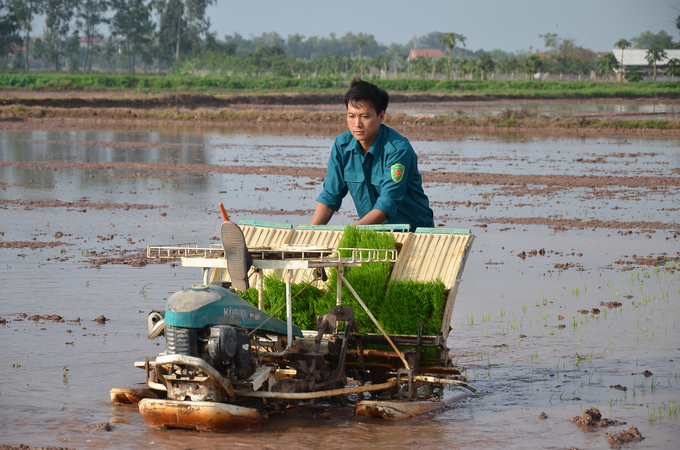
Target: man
(375, 164)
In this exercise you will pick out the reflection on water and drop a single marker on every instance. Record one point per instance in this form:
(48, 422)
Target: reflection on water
(505, 327)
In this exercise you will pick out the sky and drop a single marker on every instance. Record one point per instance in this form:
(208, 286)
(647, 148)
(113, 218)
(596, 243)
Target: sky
(509, 25)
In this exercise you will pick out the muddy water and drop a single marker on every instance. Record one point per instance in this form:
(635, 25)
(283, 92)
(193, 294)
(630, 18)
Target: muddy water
(506, 322)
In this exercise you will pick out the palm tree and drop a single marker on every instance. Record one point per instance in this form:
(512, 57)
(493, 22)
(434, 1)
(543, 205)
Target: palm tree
(361, 43)
(655, 55)
(622, 44)
(485, 64)
(607, 64)
(533, 64)
(673, 68)
(450, 40)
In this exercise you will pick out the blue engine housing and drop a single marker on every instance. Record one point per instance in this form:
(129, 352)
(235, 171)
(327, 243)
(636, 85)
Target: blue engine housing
(203, 305)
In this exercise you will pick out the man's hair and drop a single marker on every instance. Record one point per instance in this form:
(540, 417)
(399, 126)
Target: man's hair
(360, 90)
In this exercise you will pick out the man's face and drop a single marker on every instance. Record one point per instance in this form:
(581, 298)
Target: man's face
(364, 122)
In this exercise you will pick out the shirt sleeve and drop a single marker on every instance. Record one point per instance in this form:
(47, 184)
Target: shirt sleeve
(392, 192)
(334, 186)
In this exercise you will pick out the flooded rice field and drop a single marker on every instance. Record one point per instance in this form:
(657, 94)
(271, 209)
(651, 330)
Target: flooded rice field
(568, 301)
(599, 108)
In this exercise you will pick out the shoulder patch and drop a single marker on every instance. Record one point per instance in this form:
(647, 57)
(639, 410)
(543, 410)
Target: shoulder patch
(397, 171)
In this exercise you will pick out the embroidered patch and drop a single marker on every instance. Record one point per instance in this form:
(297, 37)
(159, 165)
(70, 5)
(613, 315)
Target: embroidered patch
(397, 172)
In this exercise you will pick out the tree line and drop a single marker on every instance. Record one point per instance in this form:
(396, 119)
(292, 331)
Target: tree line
(174, 36)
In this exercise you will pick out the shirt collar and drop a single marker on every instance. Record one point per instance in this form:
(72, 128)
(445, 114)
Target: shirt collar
(375, 146)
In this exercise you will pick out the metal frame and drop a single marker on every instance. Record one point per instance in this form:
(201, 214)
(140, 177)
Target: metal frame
(286, 258)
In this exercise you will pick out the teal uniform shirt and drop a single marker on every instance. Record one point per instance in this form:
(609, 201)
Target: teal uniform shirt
(385, 178)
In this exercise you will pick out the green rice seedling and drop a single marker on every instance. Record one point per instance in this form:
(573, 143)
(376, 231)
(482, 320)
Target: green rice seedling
(633, 389)
(552, 332)
(524, 306)
(611, 400)
(654, 383)
(590, 357)
(471, 319)
(502, 312)
(597, 405)
(550, 399)
(652, 416)
(561, 395)
(654, 330)
(603, 352)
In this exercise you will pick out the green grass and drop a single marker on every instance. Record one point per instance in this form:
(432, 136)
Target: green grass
(515, 89)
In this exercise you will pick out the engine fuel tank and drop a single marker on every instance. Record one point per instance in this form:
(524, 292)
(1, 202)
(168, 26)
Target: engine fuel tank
(203, 305)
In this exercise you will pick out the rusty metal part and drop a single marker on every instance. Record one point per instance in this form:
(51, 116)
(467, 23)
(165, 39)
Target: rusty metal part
(318, 394)
(375, 321)
(402, 409)
(440, 370)
(212, 386)
(150, 374)
(201, 416)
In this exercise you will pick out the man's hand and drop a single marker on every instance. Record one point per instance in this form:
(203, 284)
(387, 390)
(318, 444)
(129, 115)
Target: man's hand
(322, 214)
(374, 217)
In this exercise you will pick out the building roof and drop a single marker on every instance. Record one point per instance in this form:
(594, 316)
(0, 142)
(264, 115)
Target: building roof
(425, 53)
(637, 57)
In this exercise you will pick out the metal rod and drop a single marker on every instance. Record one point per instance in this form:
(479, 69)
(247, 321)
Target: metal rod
(341, 274)
(206, 275)
(260, 291)
(363, 305)
(444, 381)
(319, 394)
(288, 275)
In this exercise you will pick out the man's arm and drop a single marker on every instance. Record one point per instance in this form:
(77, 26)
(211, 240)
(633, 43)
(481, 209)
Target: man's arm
(322, 214)
(375, 216)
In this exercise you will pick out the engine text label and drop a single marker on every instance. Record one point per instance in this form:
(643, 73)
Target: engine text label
(235, 313)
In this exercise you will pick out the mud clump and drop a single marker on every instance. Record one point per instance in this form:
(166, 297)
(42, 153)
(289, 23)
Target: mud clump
(104, 426)
(3, 321)
(619, 387)
(616, 440)
(101, 319)
(647, 373)
(592, 418)
(595, 311)
(32, 244)
(611, 305)
(583, 311)
(53, 317)
(26, 447)
(543, 416)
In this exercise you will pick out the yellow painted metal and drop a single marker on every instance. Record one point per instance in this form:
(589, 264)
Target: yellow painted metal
(426, 257)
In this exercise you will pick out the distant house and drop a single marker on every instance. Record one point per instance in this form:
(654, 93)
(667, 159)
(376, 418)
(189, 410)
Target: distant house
(638, 57)
(96, 41)
(433, 53)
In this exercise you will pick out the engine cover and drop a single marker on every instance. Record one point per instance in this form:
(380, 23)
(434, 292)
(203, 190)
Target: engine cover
(203, 305)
